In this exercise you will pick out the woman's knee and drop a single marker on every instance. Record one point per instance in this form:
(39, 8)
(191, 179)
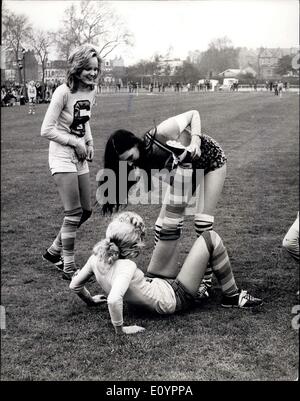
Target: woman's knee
(290, 244)
(86, 214)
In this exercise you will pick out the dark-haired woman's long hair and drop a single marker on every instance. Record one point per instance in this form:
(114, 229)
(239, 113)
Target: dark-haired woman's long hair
(118, 143)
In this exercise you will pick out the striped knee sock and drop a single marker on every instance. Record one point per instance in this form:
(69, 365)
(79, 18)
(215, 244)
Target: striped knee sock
(68, 235)
(220, 263)
(158, 227)
(204, 222)
(171, 223)
(56, 247)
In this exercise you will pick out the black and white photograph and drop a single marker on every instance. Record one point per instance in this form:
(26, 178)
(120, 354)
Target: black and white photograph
(149, 193)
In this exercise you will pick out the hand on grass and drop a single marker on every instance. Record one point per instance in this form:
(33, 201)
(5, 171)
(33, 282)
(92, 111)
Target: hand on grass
(132, 329)
(99, 299)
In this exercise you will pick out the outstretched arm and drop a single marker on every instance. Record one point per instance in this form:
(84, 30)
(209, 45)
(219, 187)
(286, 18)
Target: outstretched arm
(122, 278)
(78, 282)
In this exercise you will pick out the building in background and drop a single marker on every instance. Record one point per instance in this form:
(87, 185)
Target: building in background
(14, 72)
(236, 72)
(268, 61)
(55, 72)
(113, 70)
(167, 66)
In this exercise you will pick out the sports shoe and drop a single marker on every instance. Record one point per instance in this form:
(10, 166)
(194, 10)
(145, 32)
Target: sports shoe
(57, 260)
(204, 292)
(241, 300)
(69, 275)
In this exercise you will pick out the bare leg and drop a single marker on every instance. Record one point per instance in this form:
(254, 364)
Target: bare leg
(68, 188)
(85, 191)
(208, 247)
(204, 218)
(164, 261)
(194, 266)
(85, 202)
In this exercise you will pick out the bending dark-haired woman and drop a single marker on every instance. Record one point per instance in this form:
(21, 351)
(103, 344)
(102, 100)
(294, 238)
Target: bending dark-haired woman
(66, 126)
(155, 151)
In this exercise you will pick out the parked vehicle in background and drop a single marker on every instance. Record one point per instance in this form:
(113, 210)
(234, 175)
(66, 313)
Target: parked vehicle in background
(228, 84)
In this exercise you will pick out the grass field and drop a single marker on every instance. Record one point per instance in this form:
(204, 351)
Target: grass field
(52, 335)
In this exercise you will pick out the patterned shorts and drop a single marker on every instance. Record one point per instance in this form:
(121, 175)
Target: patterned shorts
(212, 155)
(184, 300)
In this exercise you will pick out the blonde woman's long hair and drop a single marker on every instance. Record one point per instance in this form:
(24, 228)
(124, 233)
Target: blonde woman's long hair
(123, 241)
(77, 62)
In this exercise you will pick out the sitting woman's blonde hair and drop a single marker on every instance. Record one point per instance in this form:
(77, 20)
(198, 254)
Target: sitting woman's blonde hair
(133, 219)
(123, 241)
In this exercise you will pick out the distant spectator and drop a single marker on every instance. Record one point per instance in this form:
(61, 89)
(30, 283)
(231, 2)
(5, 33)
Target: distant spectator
(271, 86)
(255, 86)
(39, 96)
(47, 95)
(286, 86)
(32, 94)
(9, 99)
(3, 94)
(267, 85)
(276, 88)
(280, 88)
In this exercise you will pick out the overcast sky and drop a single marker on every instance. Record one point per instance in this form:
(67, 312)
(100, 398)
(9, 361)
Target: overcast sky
(186, 25)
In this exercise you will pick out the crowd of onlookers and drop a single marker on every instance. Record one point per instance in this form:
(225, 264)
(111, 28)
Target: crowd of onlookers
(12, 95)
(157, 86)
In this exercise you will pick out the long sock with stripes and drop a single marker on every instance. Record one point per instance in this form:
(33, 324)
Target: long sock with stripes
(158, 227)
(68, 236)
(204, 222)
(220, 262)
(164, 259)
(56, 247)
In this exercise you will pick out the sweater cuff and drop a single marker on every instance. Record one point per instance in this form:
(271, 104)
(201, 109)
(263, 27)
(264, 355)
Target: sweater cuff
(73, 141)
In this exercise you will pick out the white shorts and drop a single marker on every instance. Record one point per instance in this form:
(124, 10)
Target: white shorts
(67, 165)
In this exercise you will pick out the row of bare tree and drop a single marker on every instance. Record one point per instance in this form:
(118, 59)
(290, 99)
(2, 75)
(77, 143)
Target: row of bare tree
(85, 22)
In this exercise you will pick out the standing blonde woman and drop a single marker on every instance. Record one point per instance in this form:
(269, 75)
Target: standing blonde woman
(66, 126)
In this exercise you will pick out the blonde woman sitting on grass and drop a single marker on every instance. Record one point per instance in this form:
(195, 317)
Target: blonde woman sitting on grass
(121, 279)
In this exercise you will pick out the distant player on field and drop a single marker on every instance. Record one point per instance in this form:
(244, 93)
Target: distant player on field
(31, 90)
